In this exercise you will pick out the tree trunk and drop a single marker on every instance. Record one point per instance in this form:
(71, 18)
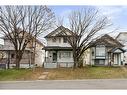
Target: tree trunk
(75, 63)
(17, 63)
(34, 55)
(75, 60)
(17, 60)
(8, 62)
(80, 63)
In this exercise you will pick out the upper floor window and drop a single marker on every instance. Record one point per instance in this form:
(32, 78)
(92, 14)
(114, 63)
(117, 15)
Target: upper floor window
(100, 50)
(59, 40)
(54, 40)
(65, 40)
(12, 55)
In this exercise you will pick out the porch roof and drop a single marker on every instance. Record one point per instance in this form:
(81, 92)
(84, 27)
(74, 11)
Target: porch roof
(56, 48)
(115, 49)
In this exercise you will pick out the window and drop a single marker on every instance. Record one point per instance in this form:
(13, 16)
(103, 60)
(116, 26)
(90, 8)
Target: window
(99, 62)
(64, 55)
(65, 39)
(59, 40)
(54, 40)
(100, 50)
(12, 55)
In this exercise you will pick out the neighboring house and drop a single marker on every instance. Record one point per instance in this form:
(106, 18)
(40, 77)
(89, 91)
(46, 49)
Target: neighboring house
(105, 51)
(2, 66)
(122, 38)
(27, 60)
(58, 52)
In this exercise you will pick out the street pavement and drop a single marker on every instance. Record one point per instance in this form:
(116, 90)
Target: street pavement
(66, 84)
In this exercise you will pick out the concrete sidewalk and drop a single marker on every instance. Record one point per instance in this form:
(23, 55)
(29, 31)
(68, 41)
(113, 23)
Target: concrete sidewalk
(66, 84)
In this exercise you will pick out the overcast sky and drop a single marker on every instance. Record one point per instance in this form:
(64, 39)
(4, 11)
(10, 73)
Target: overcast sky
(117, 15)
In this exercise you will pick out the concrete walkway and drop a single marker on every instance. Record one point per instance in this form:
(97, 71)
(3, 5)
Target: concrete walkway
(43, 76)
(66, 84)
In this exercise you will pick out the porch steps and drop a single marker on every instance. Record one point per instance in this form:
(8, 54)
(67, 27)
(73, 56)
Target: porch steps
(43, 76)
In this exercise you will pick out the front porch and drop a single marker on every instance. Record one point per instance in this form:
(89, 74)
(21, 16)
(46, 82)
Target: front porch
(116, 57)
(58, 57)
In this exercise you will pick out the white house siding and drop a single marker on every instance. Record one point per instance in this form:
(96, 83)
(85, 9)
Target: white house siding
(87, 57)
(59, 42)
(39, 57)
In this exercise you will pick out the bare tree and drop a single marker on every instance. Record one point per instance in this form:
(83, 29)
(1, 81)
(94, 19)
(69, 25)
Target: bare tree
(84, 24)
(20, 24)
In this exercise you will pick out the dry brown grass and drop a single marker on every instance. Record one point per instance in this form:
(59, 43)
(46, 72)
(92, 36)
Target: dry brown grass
(87, 73)
(33, 74)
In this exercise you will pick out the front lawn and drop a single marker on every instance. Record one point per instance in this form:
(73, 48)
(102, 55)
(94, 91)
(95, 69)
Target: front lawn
(21, 74)
(87, 73)
(65, 73)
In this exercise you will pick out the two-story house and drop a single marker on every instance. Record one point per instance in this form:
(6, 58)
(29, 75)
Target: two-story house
(58, 52)
(8, 54)
(105, 51)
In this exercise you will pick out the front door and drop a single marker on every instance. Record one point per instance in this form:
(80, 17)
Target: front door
(117, 59)
(54, 57)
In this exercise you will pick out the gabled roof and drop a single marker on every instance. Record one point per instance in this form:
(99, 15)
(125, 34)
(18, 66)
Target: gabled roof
(107, 41)
(60, 31)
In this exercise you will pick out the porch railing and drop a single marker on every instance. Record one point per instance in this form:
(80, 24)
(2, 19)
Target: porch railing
(58, 64)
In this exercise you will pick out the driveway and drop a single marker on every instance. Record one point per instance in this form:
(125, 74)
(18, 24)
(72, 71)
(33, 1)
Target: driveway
(66, 84)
